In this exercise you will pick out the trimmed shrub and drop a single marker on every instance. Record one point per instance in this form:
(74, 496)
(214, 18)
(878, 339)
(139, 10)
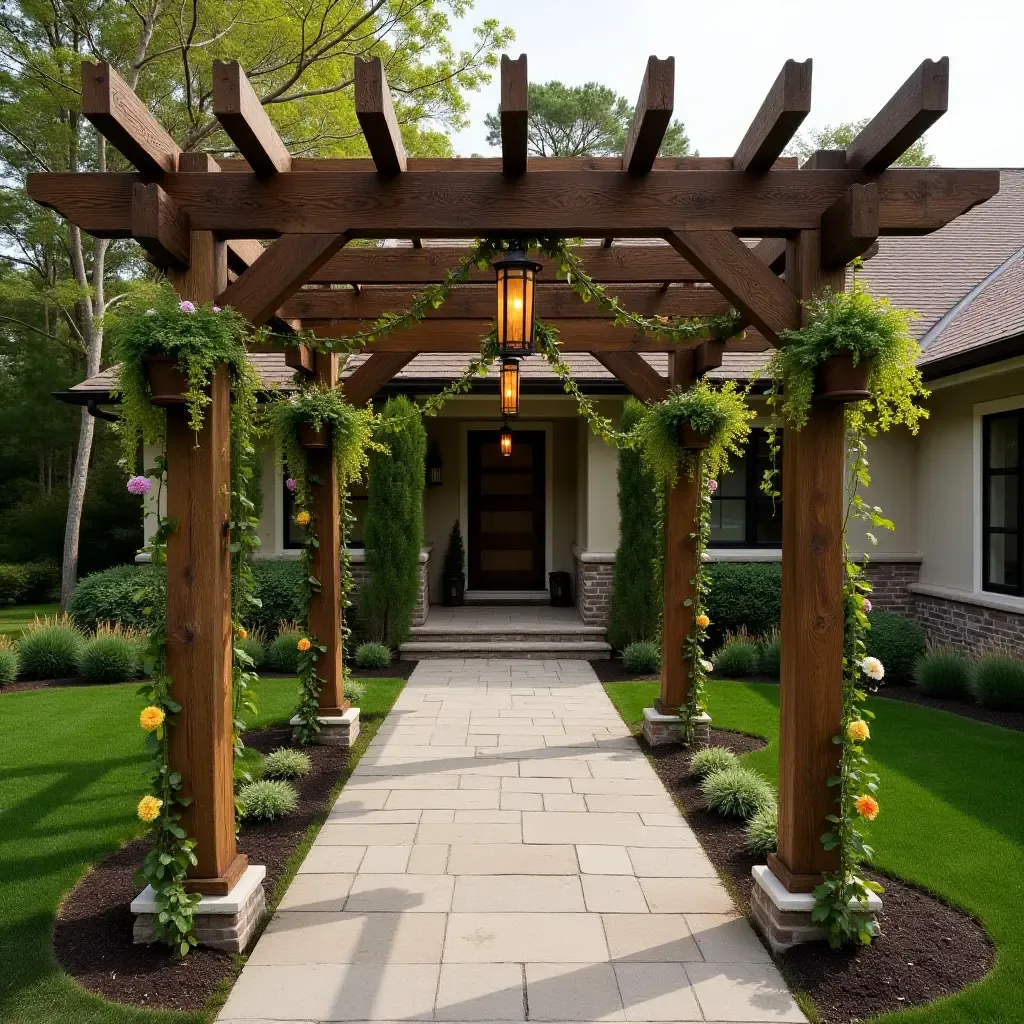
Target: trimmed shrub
(944, 674)
(998, 682)
(50, 648)
(712, 759)
(769, 654)
(737, 792)
(354, 690)
(113, 655)
(278, 584)
(744, 595)
(255, 645)
(8, 660)
(116, 595)
(763, 831)
(455, 553)
(282, 653)
(393, 529)
(267, 799)
(29, 582)
(737, 657)
(373, 656)
(636, 588)
(898, 643)
(286, 763)
(641, 656)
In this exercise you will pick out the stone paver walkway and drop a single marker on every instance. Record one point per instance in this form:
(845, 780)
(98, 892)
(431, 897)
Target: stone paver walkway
(504, 852)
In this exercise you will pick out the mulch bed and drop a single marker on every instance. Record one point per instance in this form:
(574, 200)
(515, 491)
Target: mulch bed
(92, 937)
(47, 684)
(927, 948)
(610, 670)
(912, 695)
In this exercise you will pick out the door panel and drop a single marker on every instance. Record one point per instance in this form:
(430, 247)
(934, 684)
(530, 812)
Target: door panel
(506, 511)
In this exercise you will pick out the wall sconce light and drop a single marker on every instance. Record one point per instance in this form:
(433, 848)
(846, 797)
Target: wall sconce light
(434, 477)
(510, 387)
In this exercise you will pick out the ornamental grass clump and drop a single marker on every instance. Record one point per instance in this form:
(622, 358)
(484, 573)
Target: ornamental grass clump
(267, 800)
(769, 654)
(254, 643)
(712, 759)
(354, 691)
(737, 792)
(998, 682)
(50, 648)
(282, 652)
(738, 656)
(373, 655)
(8, 660)
(945, 674)
(762, 832)
(113, 655)
(642, 656)
(286, 763)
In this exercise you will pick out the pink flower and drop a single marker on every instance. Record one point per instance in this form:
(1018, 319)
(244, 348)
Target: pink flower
(186, 307)
(712, 486)
(216, 309)
(290, 484)
(867, 606)
(139, 485)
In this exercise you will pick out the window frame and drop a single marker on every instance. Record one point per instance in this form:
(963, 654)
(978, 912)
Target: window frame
(987, 474)
(750, 499)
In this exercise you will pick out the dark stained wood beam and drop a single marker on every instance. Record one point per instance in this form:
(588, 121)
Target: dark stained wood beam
(245, 120)
(515, 113)
(583, 203)
(849, 227)
(651, 116)
(641, 379)
(370, 376)
(376, 114)
(707, 356)
(772, 253)
(735, 270)
(914, 108)
(125, 122)
(283, 267)
(787, 104)
(301, 358)
(160, 227)
(243, 253)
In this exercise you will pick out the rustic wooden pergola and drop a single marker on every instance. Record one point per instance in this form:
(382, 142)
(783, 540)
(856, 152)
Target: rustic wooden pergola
(199, 218)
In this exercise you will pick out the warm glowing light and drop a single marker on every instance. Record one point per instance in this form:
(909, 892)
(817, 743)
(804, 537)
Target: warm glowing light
(516, 279)
(506, 442)
(510, 387)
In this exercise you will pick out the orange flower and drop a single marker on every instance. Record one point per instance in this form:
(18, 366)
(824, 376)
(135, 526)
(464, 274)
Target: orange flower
(149, 808)
(304, 644)
(151, 718)
(858, 731)
(243, 633)
(703, 621)
(303, 519)
(867, 807)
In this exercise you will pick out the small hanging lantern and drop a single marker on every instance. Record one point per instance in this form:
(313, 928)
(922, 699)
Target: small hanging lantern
(510, 387)
(517, 277)
(506, 441)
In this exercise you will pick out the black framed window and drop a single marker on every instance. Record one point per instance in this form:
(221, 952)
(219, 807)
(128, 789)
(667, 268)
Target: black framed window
(1002, 442)
(357, 502)
(742, 516)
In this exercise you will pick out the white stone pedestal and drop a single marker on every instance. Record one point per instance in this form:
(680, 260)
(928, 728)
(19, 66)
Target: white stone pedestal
(336, 730)
(223, 922)
(785, 917)
(660, 730)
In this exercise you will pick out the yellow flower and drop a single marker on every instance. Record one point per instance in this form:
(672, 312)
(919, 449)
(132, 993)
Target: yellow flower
(149, 808)
(151, 718)
(303, 519)
(867, 807)
(858, 731)
(243, 633)
(703, 621)
(304, 644)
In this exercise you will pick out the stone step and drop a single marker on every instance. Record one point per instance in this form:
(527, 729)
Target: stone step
(534, 634)
(507, 597)
(593, 650)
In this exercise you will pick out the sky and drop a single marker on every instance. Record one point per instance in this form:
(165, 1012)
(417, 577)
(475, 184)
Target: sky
(728, 53)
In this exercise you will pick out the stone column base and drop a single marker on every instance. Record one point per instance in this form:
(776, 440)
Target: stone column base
(336, 730)
(660, 730)
(785, 917)
(222, 922)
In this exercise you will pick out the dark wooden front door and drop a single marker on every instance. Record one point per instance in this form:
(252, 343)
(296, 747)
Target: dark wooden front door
(506, 511)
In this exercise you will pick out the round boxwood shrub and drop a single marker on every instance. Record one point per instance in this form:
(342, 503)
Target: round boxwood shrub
(998, 682)
(373, 656)
(8, 660)
(50, 648)
(286, 763)
(898, 643)
(762, 833)
(769, 655)
(944, 674)
(737, 657)
(278, 584)
(642, 656)
(744, 595)
(267, 799)
(282, 653)
(111, 656)
(712, 759)
(737, 792)
(116, 595)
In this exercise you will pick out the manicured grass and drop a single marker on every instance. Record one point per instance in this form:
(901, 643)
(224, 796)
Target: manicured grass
(952, 821)
(71, 768)
(14, 618)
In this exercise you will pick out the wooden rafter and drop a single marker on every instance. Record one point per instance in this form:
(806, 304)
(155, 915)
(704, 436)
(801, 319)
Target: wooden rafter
(849, 227)
(515, 113)
(376, 113)
(160, 227)
(245, 120)
(369, 377)
(651, 116)
(640, 378)
(772, 253)
(784, 108)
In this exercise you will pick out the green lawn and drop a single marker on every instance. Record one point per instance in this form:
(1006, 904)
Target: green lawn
(14, 618)
(70, 776)
(952, 821)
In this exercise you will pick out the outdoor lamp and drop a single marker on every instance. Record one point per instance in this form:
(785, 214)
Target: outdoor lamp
(517, 277)
(434, 478)
(510, 387)
(506, 441)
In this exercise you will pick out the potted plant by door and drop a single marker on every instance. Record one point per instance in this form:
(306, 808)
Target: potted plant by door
(454, 576)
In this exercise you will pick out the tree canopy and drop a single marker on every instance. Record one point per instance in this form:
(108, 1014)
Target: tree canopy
(839, 136)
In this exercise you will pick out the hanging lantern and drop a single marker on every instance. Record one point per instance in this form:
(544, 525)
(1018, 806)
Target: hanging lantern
(517, 277)
(506, 441)
(510, 387)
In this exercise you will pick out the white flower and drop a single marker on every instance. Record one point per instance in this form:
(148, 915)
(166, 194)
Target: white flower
(706, 665)
(150, 312)
(873, 669)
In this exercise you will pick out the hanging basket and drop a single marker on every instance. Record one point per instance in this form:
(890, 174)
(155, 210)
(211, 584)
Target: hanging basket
(310, 437)
(839, 380)
(693, 440)
(167, 381)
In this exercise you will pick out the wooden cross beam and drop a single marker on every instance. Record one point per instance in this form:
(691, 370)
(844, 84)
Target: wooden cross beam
(651, 116)
(370, 376)
(515, 113)
(787, 104)
(641, 379)
(245, 120)
(849, 227)
(160, 227)
(376, 114)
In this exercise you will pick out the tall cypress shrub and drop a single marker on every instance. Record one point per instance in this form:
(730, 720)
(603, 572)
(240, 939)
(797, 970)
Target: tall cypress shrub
(393, 530)
(636, 588)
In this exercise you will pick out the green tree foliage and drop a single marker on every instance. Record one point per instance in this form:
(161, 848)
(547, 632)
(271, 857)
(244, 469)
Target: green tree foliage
(636, 586)
(582, 120)
(839, 136)
(394, 523)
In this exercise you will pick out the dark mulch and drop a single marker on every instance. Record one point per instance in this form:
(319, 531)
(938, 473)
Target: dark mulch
(92, 938)
(46, 684)
(611, 670)
(396, 670)
(912, 695)
(927, 949)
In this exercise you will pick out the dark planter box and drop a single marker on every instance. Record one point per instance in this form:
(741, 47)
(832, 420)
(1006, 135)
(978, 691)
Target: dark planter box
(454, 588)
(560, 586)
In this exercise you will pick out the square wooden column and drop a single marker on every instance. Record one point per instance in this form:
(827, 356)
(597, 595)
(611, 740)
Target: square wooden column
(325, 607)
(199, 602)
(811, 689)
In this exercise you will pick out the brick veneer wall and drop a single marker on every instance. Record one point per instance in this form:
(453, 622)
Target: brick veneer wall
(361, 574)
(889, 583)
(969, 627)
(594, 589)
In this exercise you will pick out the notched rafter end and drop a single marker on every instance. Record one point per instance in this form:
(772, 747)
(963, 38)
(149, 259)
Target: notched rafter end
(160, 227)
(376, 113)
(783, 111)
(515, 113)
(651, 116)
(849, 227)
(243, 117)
